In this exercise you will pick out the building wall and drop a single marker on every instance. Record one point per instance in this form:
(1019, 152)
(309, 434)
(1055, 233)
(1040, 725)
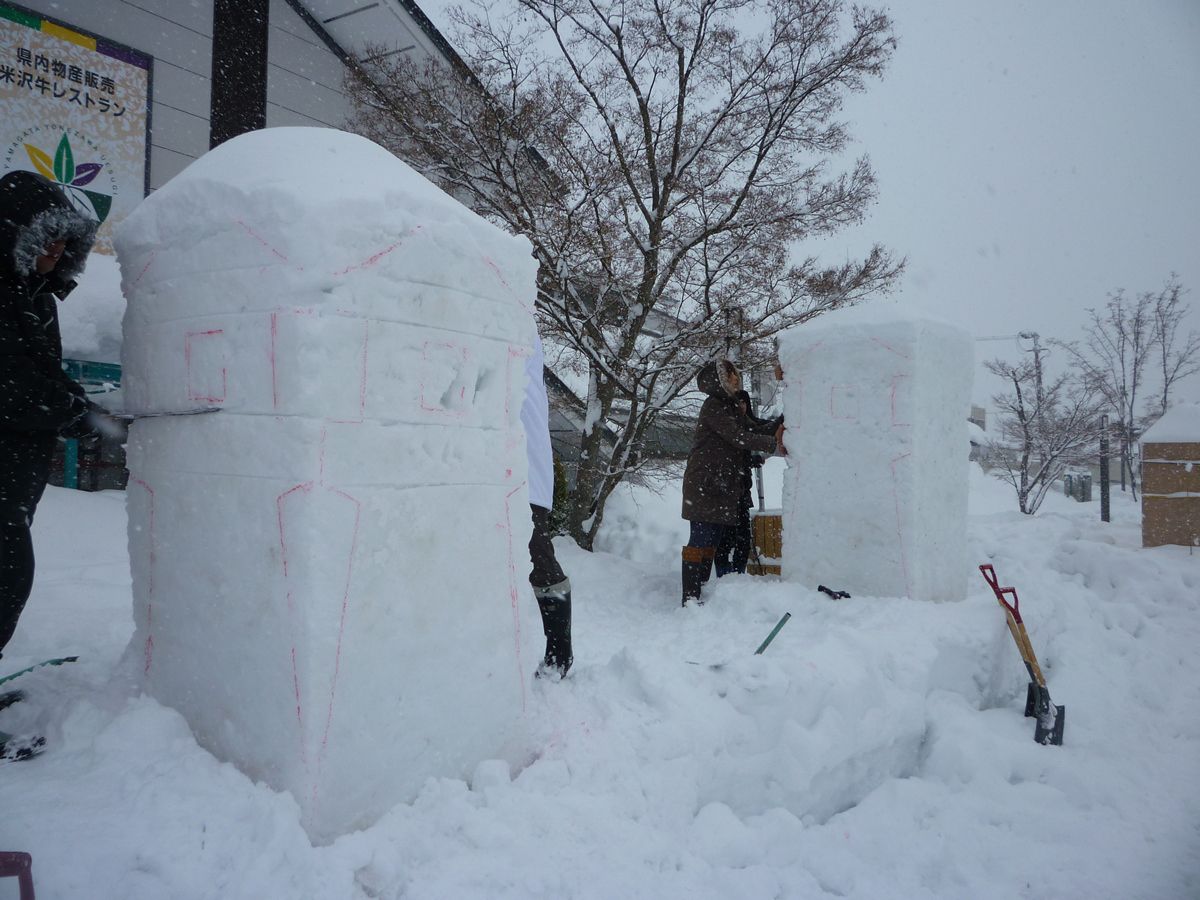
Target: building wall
(303, 82)
(178, 34)
(304, 77)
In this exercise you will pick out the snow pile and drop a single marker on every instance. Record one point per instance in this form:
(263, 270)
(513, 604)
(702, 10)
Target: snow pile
(642, 523)
(329, 573)
(876, 749)
(1178, 425)
(876, 485)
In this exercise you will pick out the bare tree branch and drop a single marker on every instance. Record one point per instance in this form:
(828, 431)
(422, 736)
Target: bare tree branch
(682, 149)
(1041, 436)
(1120, 342)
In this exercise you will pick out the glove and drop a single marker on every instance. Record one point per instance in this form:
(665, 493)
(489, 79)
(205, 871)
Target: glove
(107, 425)
(92, 423)
(78, 427)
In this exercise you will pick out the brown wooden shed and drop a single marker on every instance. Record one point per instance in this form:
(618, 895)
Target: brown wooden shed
(1171, 479)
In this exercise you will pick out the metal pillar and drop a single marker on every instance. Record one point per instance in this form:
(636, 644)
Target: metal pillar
(241, 31)
(1104, 497)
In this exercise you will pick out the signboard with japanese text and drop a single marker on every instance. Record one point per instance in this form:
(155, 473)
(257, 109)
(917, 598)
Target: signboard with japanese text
(76, 109)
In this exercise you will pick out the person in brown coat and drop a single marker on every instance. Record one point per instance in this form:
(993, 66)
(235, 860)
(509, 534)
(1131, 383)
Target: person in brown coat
(713, 483)
(733, 553)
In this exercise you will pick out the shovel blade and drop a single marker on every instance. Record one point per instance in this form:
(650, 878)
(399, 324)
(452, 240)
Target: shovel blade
(1032, 696)
(1049, 728)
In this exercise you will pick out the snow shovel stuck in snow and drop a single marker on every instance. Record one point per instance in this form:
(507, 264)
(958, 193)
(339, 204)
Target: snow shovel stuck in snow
(1050, 718)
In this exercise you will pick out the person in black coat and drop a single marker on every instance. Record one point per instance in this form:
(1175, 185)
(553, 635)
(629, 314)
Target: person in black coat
(733, 553)
(44, 243)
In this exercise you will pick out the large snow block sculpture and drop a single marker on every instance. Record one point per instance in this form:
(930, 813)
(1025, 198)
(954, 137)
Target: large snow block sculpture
(329, 572)
(875, 492)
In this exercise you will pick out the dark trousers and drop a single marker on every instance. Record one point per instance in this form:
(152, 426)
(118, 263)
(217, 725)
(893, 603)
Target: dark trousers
(707, 534)
(733, 553)
(698, 557)
(546, 570)
(16, 577)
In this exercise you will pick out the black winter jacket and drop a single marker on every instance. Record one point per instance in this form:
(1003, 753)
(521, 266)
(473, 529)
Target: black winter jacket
(37, 399)
(713, 483)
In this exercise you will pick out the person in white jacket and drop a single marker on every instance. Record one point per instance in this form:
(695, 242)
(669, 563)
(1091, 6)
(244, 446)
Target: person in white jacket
(550, 584)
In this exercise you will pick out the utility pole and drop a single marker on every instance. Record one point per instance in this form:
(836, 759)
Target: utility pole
(1037, 361)
(1039, 414)
(1104, 508)
(1037, 354)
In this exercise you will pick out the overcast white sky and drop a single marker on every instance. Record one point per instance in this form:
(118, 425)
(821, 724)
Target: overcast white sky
(1032, 156)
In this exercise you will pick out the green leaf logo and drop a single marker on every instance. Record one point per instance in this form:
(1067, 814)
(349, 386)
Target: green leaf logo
(71, 177)
(102, 203)
(64, 162)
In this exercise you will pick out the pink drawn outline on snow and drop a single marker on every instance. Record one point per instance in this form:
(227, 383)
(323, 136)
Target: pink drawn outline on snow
(281, 505)
(439, 409)
(273, 359)
(491, 264)
(849, 399)
(190, 339)
(900, 522)
(152, 538)
(362, 383)
(365, 263)
(145, 269)
(266, 244)
(890, 349)
(513, 591)
(512, 438)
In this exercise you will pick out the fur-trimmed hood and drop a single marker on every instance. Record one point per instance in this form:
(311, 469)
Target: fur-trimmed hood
(34, 212)
(709, 380)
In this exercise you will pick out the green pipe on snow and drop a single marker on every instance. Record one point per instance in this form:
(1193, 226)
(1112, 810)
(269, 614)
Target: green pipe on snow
(774, 631)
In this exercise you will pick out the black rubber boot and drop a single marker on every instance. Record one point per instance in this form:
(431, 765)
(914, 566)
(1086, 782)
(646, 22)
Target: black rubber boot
(15, 748)
(554, 602)
(697, 565)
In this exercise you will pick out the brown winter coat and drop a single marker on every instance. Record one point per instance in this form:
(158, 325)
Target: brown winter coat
(713, 481)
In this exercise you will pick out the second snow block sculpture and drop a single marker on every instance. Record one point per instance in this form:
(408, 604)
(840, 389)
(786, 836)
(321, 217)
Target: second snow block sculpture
(875, 492)
(329, 573)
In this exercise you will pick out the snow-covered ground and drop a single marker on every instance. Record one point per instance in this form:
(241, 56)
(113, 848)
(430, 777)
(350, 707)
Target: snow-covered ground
(876, 750)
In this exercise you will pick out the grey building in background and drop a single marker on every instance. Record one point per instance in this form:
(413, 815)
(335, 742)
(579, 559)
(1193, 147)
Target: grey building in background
(308, 46)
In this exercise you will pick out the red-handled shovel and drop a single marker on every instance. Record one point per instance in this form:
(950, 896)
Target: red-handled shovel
(1050, 718)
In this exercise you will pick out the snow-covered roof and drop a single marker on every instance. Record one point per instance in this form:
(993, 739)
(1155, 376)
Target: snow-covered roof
(1179, 425)
(385, 27)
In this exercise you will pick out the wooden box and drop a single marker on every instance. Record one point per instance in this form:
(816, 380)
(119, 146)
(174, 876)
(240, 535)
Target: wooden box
(768, 543)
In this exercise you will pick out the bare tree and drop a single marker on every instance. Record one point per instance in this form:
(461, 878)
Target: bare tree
(1120, 343)
(1043, 431)
(1175, 357)
(1112, 361)
(664, 158)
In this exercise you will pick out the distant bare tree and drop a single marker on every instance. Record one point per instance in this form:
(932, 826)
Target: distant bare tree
(1043, 432)
(664, 159)
(1120, 343)
(1175, 357)
(1112, 361)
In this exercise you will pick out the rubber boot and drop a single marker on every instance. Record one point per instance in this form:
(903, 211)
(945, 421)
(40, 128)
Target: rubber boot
(710, 558)
(697, 565)
(14, 748)
(554, 602)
